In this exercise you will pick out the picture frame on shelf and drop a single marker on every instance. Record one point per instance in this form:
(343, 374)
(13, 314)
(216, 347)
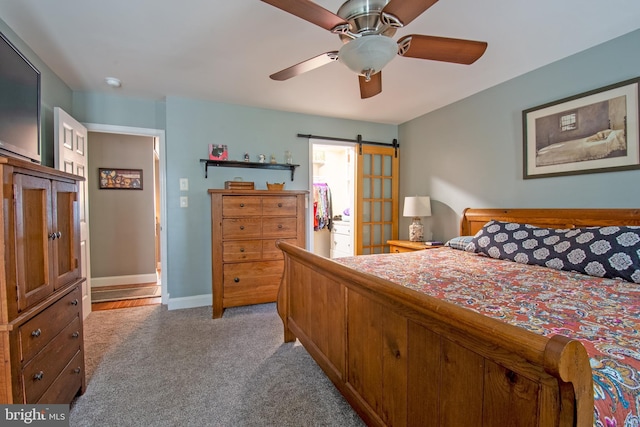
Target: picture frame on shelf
(595, 131)
(218, 152)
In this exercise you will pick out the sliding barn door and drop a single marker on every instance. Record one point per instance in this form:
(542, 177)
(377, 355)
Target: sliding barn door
(377, 198)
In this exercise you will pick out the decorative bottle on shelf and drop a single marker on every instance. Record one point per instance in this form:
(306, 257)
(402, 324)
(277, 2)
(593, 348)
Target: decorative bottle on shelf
(288, 159)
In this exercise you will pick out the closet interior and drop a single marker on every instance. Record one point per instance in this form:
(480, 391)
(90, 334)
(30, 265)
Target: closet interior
(333, 191)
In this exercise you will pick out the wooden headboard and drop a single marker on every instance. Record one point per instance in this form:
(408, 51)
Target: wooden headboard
(474, 219)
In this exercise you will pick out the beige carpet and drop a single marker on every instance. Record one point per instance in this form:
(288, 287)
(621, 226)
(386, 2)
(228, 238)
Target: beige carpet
(148, 366)
(135, 292)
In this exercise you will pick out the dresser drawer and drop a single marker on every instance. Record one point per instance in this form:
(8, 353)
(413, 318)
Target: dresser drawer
(242, 228)
(250, 273)
(341, 228)
(242, 250)
(270, 251)
(279, 206)
(39, 373)
(341, 242)
(66, 386)
(279, 227)
(37, 332)
(251, 282)
(241, 206)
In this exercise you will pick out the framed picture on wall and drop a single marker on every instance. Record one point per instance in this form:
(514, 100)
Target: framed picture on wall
(120, 179)
(595, 131)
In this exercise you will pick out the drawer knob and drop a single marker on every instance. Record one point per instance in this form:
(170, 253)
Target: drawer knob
(58, 235)
(236, 279)
(76, 371)
(279, 225)
(242, 205)
(38, 376)
(52, 236)
(279, 205)
(241, 249)
(242, 227)
(76, 334)
(74, 302)
(36, 333)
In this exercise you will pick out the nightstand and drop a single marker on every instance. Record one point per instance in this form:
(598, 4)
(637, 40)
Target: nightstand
(397, 246)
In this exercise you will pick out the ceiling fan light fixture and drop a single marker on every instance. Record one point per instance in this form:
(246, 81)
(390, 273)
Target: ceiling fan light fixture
(370, 52)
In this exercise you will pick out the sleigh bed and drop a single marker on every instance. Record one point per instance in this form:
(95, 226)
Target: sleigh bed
(410, 341)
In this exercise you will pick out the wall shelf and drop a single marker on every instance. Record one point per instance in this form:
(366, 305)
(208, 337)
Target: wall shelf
(252, 165)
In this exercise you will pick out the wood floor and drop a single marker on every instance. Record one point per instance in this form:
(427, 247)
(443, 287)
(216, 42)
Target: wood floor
(112, 305)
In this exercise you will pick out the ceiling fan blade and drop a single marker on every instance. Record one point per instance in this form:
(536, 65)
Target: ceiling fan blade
(372, 87)
(407, 10)
(309, 11)
(304, 66)
(441, 48)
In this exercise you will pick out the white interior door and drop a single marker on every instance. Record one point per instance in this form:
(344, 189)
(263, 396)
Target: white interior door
(71, 156)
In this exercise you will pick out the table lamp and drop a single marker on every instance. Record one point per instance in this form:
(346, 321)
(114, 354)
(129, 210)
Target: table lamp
(416, 207)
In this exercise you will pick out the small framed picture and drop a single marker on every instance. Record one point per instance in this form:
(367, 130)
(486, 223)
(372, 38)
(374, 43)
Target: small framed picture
(218, 152)
(120, 179)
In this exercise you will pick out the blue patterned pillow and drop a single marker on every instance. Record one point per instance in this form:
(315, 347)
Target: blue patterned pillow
(460, 242)
(612, 252)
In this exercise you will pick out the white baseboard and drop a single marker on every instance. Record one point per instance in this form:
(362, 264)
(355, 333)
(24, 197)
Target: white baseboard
(134, 279)
(189, 302)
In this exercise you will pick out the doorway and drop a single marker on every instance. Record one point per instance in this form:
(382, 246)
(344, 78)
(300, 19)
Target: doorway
(155, 205)
(331, 222)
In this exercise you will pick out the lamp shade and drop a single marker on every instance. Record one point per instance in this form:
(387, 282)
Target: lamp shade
(417, 206)
(368, 53)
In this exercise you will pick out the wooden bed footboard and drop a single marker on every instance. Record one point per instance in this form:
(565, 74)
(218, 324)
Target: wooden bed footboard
(405, 359)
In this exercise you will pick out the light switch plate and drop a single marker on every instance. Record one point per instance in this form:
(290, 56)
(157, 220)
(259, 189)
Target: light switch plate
(184, 184)
(184, 201)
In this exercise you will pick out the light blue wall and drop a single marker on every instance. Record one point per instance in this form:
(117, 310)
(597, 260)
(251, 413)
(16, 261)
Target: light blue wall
(191, 126)
(55, 93)
(469, 154)
(118, 110)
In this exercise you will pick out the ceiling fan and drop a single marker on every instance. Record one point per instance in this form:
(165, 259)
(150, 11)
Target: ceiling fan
(366, 27)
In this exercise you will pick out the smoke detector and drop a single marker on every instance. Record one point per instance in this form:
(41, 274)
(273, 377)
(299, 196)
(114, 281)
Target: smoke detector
(113, 82)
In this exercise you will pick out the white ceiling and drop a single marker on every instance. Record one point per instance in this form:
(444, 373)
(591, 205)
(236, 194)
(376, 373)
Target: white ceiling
(225, 51)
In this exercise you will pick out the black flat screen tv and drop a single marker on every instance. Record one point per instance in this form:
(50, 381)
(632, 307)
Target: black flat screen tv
(19, 104)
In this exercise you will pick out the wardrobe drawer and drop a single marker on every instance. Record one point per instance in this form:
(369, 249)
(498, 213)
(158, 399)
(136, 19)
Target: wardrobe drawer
(279, 206)
(241, 206)
(241, 228)
(66, 386)
(242, 250)
(279, 227)
(39, 373)
(37, 332)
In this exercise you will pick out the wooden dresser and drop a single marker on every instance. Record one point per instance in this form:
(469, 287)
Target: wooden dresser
(245, 225)
(41, 337)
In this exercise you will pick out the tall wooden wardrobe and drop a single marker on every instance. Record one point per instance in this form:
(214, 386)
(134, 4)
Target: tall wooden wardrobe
(41, 336)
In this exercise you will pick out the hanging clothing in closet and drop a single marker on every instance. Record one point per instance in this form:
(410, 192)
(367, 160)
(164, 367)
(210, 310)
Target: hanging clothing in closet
(321, 206)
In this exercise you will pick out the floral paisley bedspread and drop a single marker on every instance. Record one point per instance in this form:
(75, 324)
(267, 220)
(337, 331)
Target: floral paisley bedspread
(604, 314)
